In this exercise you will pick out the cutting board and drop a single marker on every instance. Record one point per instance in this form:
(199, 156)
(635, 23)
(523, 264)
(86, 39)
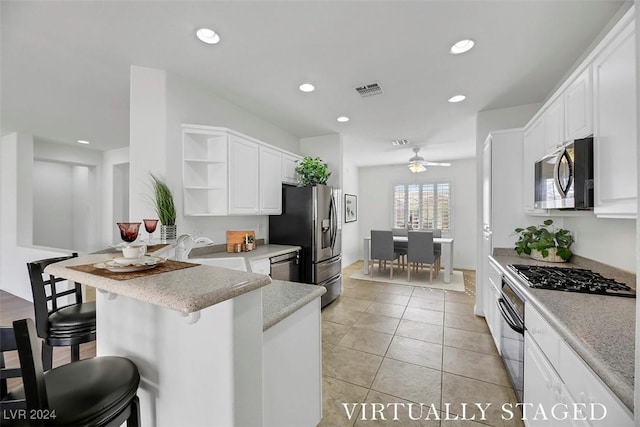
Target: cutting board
(237, 236)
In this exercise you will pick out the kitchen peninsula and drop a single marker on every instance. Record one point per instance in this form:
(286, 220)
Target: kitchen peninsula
(205, 352)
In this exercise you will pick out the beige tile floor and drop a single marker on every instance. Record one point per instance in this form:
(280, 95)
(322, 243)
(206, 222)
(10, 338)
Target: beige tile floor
(386, 343)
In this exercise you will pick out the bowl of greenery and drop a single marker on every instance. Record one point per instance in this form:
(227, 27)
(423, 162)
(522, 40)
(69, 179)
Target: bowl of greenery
(544, 242)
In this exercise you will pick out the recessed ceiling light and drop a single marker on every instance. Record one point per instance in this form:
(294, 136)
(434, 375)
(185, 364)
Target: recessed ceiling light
(457, 98)
(461, 47)
(82, 141)
(207, 36)
(343, 119)
(307, 87)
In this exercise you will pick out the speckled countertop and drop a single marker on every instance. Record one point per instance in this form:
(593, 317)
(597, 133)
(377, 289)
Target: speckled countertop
(601, 329)
(260, 252)
(187, 290)
(281, 299)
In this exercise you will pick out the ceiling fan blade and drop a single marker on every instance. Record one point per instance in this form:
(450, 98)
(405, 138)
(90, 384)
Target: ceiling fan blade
(436, 164)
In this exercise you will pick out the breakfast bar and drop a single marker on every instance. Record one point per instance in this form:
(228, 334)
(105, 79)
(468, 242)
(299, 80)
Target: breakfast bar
(199, 338)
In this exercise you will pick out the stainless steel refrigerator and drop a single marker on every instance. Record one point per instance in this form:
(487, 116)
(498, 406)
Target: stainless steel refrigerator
(311, 218)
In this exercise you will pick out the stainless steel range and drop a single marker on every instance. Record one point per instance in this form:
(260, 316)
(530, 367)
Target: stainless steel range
(571, 280)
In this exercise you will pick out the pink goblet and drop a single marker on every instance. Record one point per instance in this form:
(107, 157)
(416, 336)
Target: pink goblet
(150, 225)
(129, 231)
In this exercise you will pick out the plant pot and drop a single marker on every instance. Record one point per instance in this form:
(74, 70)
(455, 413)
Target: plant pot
(552, 257)
(168, 232)
(249, 246)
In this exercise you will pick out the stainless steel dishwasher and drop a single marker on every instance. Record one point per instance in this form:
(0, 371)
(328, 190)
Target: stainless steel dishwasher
(286, 267)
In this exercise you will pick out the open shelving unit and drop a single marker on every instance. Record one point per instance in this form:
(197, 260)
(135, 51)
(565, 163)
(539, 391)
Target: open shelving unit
(205, 167)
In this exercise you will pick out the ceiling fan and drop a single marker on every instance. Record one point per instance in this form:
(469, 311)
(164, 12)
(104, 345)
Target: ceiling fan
(417, 163)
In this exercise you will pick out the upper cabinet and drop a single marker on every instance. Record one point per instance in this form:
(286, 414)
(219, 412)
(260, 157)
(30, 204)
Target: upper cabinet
(554, 126)
(578, 102)
(598, 99)
(227, 173)
(615, 131)
(270, 181)
(244, 161)
(533, 150)
(289, 165)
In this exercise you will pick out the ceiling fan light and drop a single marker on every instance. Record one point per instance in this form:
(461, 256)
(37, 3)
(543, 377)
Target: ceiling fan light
(417, 167)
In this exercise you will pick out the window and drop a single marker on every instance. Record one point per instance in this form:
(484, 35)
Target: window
(426, 206)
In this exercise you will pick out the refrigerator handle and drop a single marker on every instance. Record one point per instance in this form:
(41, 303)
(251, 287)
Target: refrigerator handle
(334, 222)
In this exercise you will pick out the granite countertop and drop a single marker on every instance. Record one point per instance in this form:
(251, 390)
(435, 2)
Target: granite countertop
(187, 290)
(281, 299)
(260, 252)
(600, 328)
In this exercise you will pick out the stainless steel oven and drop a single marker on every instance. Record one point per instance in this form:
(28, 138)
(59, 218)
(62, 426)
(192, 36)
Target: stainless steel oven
(511, 305)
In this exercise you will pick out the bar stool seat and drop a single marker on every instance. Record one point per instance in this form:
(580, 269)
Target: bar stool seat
(101, 391)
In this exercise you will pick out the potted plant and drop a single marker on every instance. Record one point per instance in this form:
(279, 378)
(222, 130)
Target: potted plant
(312, 171)
(165, 209)
(249, 240)
(544, 242)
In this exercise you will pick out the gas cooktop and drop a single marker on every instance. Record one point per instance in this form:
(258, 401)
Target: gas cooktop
(571, 280)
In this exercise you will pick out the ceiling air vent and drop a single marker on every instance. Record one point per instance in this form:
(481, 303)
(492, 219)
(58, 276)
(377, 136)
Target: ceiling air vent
(369, 89)
(400, 142)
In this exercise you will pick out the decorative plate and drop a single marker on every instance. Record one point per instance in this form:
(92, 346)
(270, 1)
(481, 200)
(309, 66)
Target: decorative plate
(124, 265)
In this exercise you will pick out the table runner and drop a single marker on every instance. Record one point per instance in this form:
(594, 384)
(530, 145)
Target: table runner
(165, 267)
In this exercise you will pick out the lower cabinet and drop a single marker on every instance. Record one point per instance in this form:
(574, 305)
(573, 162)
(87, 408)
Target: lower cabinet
(559, 388)
(292, 369)
(491, 310)
(548, 402)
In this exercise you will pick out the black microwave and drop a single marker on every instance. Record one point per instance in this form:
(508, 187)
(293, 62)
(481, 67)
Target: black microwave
(564, 179)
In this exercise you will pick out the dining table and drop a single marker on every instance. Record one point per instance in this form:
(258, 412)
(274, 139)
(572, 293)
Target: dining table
(447, 253)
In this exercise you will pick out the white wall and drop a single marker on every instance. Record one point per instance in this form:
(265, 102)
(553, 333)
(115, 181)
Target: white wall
(351, 236)
(53, 204)
(376, 196)
(16, 156)
(610, 241)
(160, 103)
(115, 193)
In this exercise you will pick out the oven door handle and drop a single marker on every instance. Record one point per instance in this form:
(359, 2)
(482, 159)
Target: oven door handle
(506, 315)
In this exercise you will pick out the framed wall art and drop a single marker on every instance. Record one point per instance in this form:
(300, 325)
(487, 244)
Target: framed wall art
(350, 208)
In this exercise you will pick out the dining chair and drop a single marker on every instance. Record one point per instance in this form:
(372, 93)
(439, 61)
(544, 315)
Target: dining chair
(421, 251)
(400, 247)
(382, 250)
(437, 247)
(101, 391)
(58, 322)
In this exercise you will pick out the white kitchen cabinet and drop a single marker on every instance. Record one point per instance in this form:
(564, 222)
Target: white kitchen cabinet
(544, 390)
(244, 196)
(587, 388)
(554, 373)
(491, 310)
(533, 150)
(554, 126)
(615, 131)
(289, 165)
(204, 172)
(501, 206)
(292, 369)
(270, 181)
(260, 266)
(578, 107)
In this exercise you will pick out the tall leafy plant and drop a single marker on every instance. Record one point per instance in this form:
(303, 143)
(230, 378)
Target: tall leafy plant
(542, 238)
(163, 201)
(312, 171)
